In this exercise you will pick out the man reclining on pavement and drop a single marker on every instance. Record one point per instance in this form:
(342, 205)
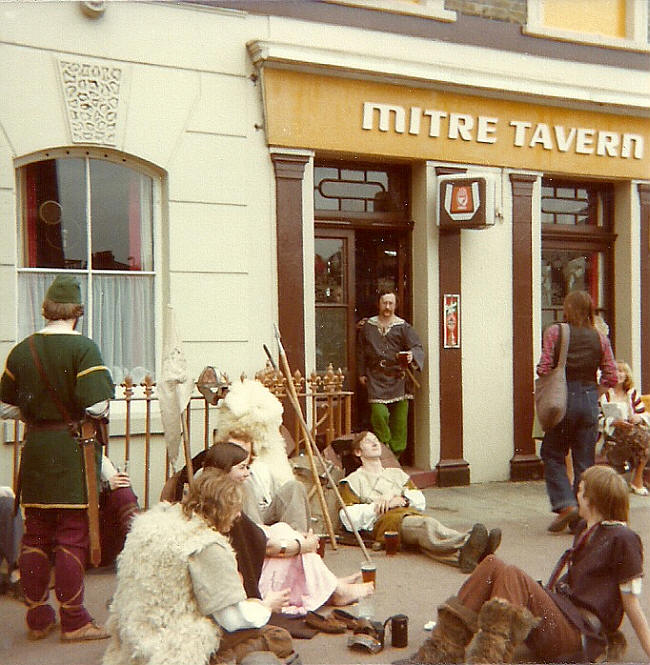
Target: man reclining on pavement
(382, 499)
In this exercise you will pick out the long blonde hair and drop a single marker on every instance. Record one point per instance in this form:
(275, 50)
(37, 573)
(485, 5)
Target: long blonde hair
(628, 382)
(216, 498)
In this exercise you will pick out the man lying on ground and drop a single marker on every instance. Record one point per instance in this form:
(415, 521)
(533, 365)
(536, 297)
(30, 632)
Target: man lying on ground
(382, 499)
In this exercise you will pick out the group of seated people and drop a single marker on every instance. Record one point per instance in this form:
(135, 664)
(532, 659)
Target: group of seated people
(201, 578)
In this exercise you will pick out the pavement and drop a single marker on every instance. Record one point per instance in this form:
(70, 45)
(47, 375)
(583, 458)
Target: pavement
(408, 583)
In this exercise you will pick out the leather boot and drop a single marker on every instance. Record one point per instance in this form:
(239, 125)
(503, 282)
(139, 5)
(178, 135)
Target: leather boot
(448, 639)
(501, 628)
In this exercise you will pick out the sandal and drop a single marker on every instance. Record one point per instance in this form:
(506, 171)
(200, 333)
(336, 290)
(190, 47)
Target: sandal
(350, 621)
(324, 624)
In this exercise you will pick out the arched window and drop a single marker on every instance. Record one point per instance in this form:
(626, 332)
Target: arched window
(92, 217)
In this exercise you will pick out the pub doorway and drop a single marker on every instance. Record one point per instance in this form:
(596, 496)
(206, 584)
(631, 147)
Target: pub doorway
(361, 246)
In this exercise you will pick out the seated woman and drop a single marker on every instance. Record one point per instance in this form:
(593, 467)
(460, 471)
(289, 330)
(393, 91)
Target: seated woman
(117, 507)
(179, 597)
(576, 616)
(291, 560)
(631, 410)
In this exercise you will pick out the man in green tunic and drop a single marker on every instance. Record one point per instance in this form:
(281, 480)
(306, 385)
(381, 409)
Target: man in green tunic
(53, 489)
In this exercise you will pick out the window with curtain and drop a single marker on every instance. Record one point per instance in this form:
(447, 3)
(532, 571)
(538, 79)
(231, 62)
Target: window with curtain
(93, 218)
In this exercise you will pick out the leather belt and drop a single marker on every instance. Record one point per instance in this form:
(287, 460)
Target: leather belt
(388, 364)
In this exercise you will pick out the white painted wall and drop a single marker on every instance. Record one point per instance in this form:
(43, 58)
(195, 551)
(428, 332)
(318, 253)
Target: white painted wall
(189, 108)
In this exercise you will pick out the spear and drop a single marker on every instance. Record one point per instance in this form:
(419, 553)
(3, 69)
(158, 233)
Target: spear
(310, 445)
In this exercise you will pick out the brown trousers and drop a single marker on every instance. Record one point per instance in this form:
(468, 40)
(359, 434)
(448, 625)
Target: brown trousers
(554, 636)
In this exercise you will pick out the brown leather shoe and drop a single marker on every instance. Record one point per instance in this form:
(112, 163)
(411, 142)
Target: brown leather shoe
(471, 551)
(91, 631)
(34, 634)
(325, 624)
(563, 518)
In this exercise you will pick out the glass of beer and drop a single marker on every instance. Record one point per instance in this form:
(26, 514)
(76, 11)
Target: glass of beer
(322, 540)
(391, 542)
(369, 572)
(403, 358)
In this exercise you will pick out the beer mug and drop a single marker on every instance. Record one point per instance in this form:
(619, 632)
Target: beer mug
(399, 630)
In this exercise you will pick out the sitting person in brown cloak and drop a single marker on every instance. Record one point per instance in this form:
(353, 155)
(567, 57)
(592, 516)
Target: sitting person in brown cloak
(576, 617)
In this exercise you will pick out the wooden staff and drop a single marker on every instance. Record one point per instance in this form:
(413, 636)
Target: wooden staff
(186, 445)
(310, 446)
(412, 377)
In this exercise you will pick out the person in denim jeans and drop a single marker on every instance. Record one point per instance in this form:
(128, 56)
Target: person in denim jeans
(589, 351)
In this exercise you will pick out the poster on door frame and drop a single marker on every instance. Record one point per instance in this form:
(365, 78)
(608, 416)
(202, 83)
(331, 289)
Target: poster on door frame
(451, 321)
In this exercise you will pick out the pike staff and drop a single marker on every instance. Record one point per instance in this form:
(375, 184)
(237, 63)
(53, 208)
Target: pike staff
(311, 446)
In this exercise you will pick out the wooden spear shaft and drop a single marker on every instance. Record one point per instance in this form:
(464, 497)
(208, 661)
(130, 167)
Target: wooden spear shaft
(186, 446)
(293, 398)
(310, 444)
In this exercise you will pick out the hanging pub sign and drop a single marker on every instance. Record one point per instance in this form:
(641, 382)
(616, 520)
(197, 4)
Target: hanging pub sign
(465, 202)
(451, 321)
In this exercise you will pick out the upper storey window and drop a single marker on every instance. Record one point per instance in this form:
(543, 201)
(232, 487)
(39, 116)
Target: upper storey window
(434, 9)
(614, 23)
(94, 218)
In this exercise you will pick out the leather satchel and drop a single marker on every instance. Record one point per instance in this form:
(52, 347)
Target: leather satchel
(551, 389)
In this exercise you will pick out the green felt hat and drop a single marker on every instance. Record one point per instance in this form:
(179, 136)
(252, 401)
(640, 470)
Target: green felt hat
(65, 289)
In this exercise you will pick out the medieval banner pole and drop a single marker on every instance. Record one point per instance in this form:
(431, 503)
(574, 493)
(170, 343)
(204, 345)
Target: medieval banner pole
(186, 446)
(311, 445)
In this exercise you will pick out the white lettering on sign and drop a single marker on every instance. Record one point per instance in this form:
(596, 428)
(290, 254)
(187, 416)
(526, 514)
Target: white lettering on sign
(483, 129)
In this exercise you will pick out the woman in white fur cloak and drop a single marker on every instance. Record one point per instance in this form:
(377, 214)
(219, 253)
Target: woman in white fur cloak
(179, 597)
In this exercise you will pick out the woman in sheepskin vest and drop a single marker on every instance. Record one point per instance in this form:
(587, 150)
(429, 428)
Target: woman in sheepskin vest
(179, 597)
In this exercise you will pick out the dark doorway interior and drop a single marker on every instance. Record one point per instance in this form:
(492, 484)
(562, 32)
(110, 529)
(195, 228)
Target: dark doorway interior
(362, 246)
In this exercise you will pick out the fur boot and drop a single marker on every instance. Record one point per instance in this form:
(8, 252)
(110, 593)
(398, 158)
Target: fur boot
(501, 628)
(447, 642)
(616, 646)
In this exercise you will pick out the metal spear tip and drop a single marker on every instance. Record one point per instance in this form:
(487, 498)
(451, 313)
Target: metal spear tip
(278, 338)
(269, 356)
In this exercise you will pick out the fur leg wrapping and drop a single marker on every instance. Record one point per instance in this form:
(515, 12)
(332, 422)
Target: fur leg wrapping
(616, 646)
(447, 642)
(501, 628)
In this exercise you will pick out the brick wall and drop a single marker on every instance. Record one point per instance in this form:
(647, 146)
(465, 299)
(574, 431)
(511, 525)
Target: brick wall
(513, 11)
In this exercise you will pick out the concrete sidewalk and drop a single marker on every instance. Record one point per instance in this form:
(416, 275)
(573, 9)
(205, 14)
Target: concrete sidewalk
(409, 583)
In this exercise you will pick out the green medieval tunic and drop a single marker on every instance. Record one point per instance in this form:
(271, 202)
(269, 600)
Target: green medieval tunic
(52, 464)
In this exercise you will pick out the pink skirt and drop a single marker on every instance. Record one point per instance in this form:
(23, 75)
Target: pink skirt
(310, 580)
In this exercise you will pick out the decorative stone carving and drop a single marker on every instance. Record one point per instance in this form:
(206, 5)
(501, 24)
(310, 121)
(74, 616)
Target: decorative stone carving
(91, 92)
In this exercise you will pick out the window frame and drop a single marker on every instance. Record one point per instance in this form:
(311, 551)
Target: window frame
(433, 9)
(587, 238)
(636, 28)
(120, 159)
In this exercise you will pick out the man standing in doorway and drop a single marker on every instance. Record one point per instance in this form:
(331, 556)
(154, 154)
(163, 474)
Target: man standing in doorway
(389, 349)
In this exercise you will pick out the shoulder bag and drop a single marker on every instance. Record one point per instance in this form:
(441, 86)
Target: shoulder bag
(551, 390)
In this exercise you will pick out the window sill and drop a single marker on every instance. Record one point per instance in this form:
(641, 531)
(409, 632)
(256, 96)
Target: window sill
(433, 9)
(586, 38)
